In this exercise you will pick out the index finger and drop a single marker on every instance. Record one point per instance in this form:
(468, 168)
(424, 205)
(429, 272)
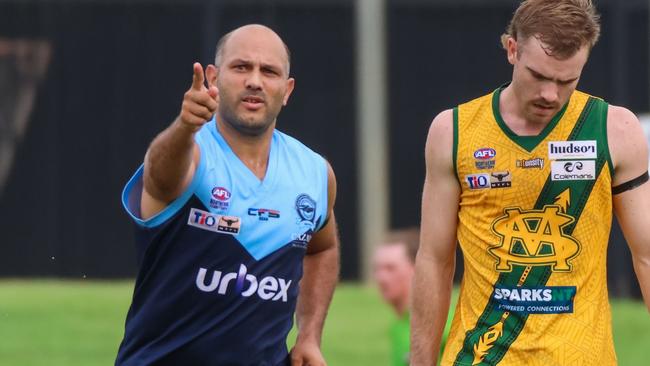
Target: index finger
(198, 78)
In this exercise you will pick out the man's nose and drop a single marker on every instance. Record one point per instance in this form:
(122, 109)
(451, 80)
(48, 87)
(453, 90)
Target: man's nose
(550, 92)
(254, 81)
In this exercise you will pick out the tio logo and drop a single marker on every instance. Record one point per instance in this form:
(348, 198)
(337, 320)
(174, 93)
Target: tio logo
(268, 288)
(478, 181)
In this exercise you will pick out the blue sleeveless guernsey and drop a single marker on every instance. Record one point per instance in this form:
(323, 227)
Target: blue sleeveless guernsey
(219, 267)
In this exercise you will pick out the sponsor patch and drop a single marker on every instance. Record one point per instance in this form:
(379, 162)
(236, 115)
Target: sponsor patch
(269, 288)
(500, 180)
(538, 300)
(229, 224)
(530, 164)
(573, 170)
(264, 214)
(301, 240)
(478, 181)
(211, 222)
(572, 150)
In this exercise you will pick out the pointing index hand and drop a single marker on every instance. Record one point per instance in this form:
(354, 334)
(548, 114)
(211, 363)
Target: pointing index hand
(198, 79)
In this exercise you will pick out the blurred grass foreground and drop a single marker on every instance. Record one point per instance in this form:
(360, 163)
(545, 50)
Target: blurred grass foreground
(81, 323)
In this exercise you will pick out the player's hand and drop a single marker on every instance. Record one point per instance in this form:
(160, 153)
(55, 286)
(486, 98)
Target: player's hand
(306, 353)
(199, 102)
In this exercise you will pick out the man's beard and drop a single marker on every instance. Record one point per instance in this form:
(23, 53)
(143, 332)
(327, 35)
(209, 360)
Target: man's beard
(245, 127)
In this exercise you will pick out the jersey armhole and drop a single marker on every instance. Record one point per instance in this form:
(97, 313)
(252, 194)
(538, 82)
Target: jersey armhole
(604, 113)
(455, 142)
(132, 195)
(325, 193)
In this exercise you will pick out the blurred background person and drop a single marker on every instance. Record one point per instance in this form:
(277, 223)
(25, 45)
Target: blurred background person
(393, 268)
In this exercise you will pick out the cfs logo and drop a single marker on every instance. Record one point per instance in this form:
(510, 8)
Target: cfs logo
(219, 198)
(478, 181)
(264, 213)
(534, 238)
(268, 288)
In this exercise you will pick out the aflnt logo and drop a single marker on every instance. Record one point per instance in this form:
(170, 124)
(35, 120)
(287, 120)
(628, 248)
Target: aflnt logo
(268, 288)
(572, 150)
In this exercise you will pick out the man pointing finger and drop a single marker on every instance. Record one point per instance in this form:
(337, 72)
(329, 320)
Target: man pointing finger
(235, 222)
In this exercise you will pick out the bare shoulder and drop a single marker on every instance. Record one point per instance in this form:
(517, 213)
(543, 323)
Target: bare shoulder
(627, 144)
(440, 140)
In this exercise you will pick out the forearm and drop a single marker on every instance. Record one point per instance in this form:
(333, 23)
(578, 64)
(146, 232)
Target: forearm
(642, 269)
(320, 275)
(168, 161)
(432, 287)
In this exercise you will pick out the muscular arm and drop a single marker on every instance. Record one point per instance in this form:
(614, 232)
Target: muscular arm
(172, 157)
(435, 262)
(629, 152)
(320, 274)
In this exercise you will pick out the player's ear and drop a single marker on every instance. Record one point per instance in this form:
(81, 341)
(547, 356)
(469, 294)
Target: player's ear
(512, 48)
(291, 82)
(211, 74)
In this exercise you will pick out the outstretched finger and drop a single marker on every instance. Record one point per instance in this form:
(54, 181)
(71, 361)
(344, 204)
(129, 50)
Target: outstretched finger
(198, 78)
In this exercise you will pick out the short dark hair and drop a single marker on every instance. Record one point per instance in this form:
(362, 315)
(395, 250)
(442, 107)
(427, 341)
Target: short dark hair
(221, 44)
(562, 26)
(408, 237)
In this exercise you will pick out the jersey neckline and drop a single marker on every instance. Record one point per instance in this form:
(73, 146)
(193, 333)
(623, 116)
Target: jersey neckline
(528, 143)
(254, 182)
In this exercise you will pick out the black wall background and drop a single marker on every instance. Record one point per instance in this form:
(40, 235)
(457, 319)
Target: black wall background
(119, 70)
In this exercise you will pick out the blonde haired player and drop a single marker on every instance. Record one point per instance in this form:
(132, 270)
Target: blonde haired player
(526, 179)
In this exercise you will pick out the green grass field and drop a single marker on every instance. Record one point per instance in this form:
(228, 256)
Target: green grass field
(57, 323)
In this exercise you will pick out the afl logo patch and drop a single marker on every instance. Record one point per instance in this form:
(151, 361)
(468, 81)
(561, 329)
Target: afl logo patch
(306, 208)
(485, 154)
(220, 198)
(220, 194)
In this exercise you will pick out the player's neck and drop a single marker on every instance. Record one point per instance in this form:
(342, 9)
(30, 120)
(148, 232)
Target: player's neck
(253, 151)
(512, 110)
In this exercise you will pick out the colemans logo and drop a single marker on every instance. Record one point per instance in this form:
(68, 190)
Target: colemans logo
(534, 238)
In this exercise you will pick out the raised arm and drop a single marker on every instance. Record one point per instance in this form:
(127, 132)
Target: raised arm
(629, 151)
(320, 274)
(435, 262)
(173, 156)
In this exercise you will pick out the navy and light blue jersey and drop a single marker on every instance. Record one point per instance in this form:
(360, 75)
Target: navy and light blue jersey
(219, 267)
